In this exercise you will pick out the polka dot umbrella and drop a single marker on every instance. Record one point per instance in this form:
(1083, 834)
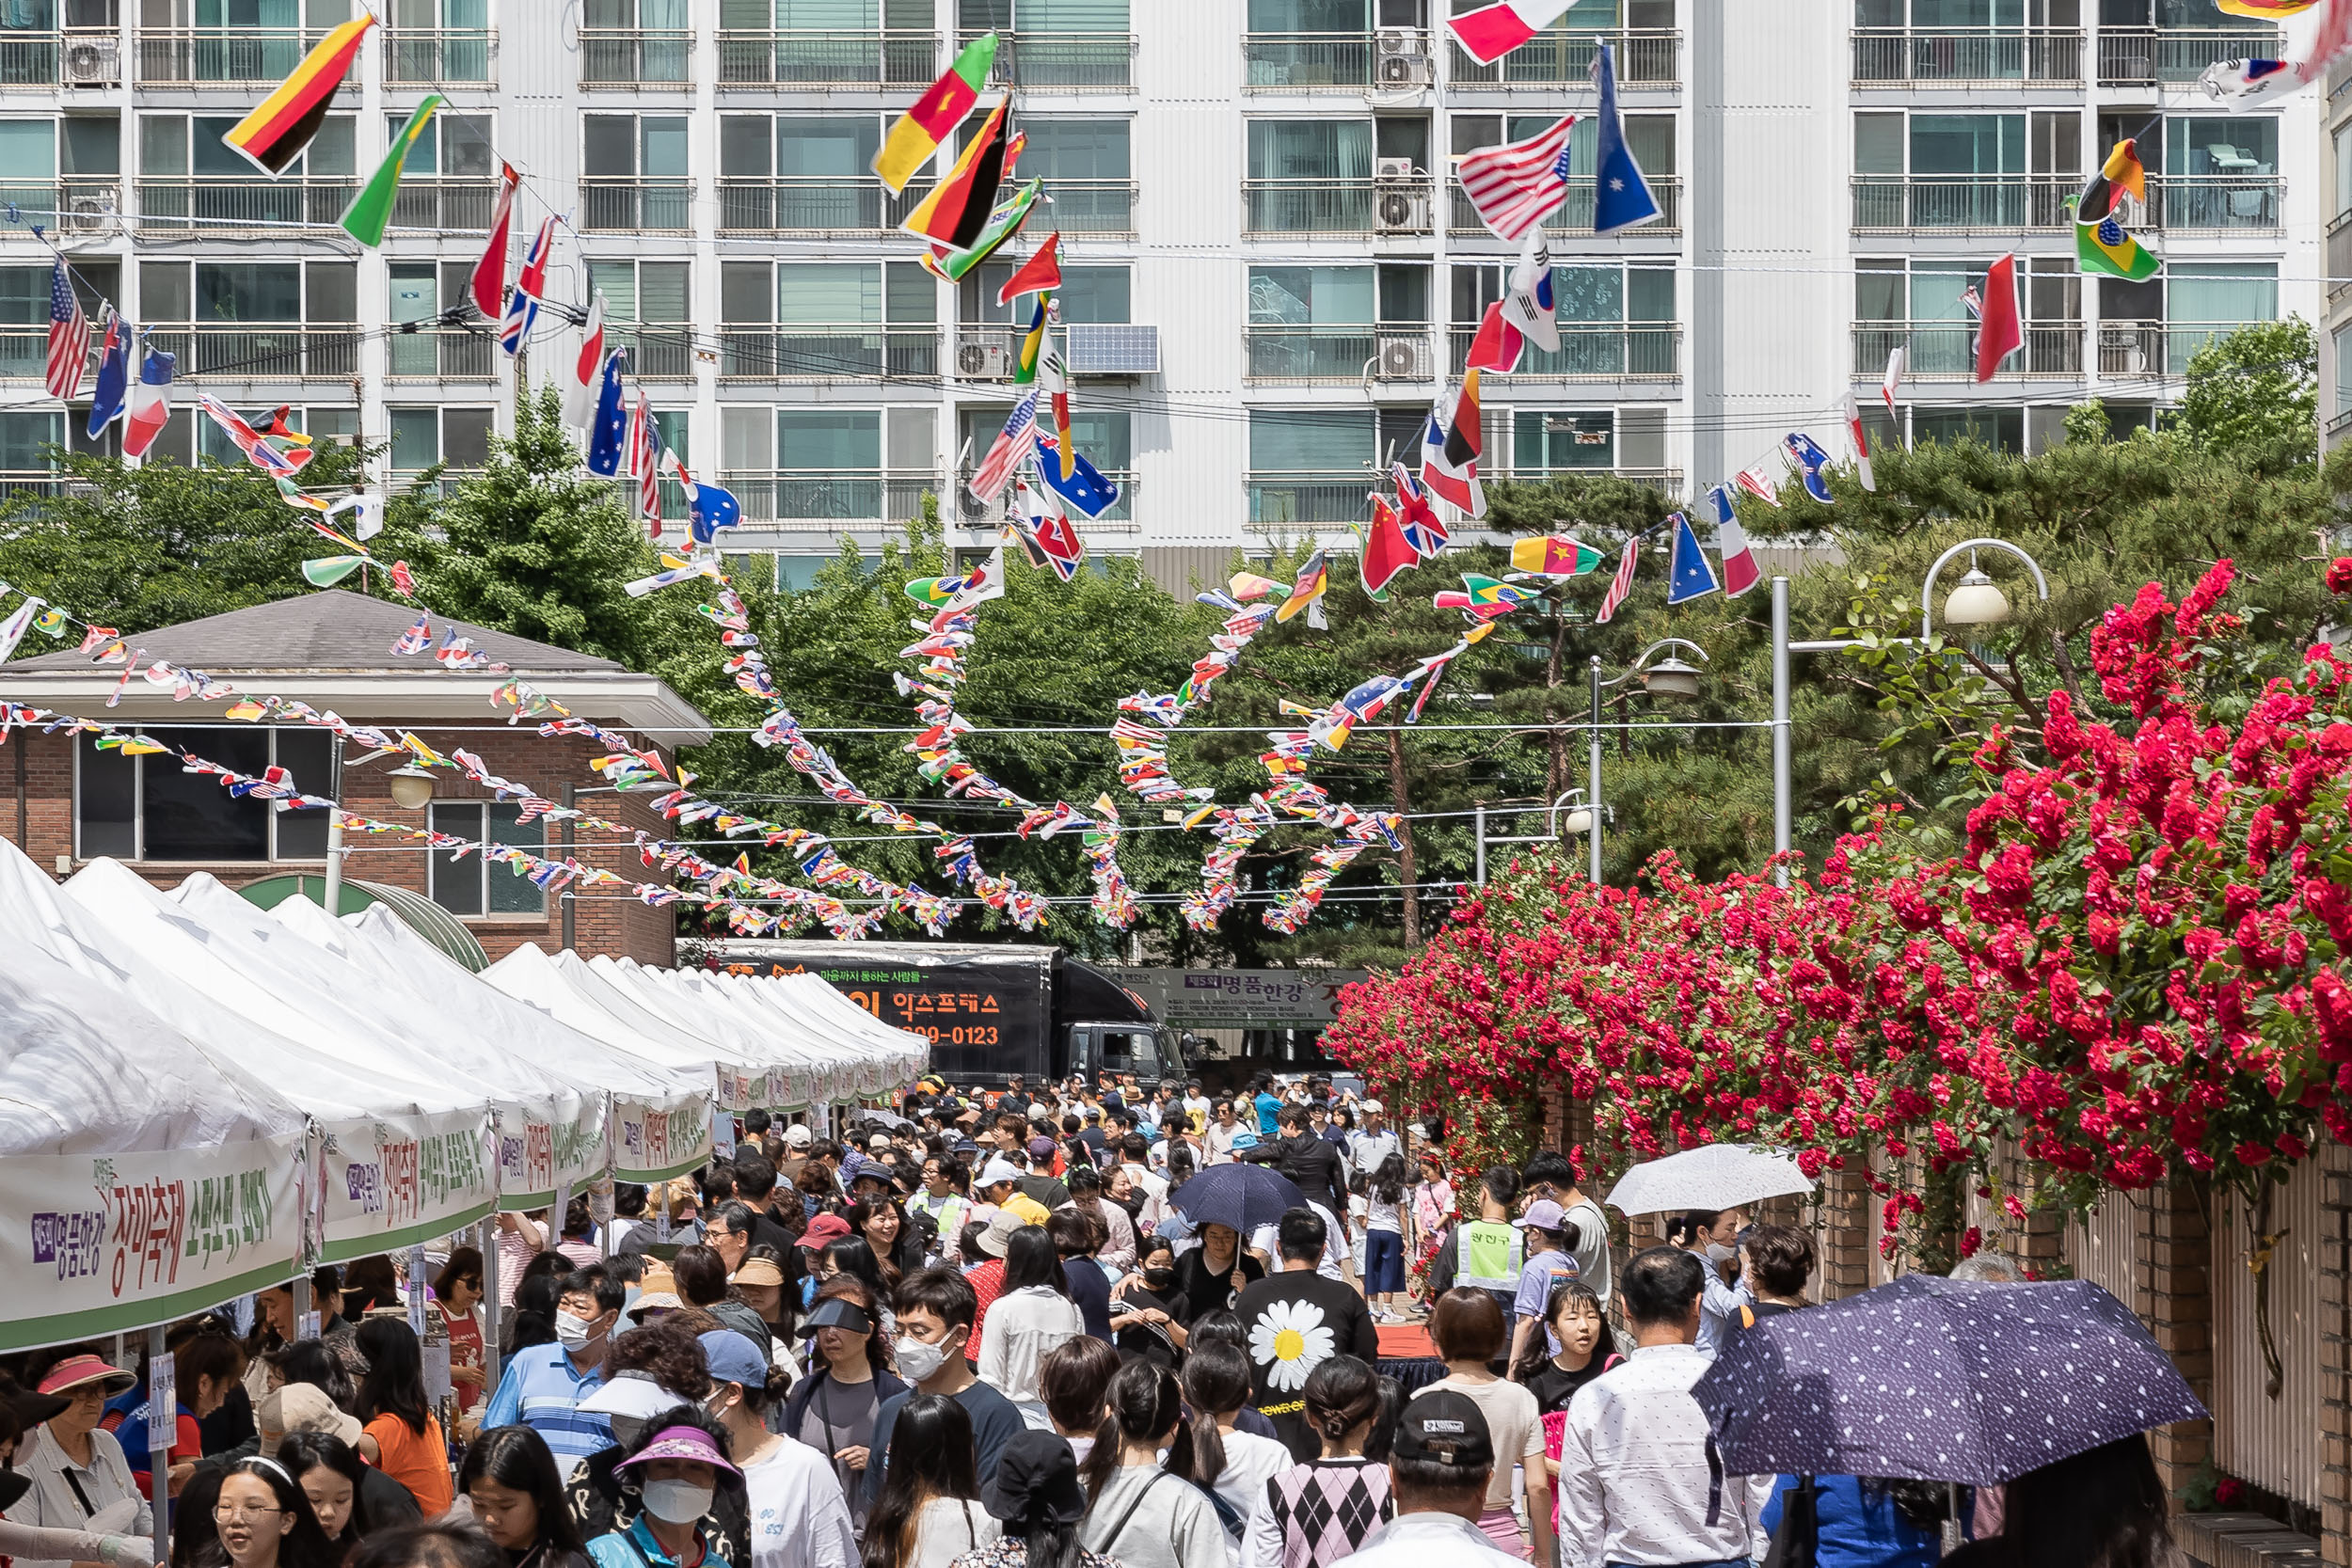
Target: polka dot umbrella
(1935, 1379)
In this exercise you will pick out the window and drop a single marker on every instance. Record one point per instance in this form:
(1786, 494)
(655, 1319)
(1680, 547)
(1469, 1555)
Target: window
(829, 319)
(2344, 171)
(1310, 465)
(1309, 150)
(1546, 441)
(421, 292)
(216, 293)
(2209, 299)
(829, 463)
(637, 41)
(1939, 172)
(2236, 145)
(1308, 16)
(175, 146)
(91, 147)
(2002, 429)
(1085, 164)
(2344, 371)
(800, 171)
(424, 436)
(26, 437)
(634, 171)
(1310, 322)
(24, 321)
(1614, 319)
(653, 296)
(453, 147)
(466, 883)
(1088, 294)
(797, 572)
(149, 809)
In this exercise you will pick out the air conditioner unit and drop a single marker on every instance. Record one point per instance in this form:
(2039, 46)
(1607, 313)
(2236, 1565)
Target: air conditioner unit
(1402, 358)
(1402, 211)
(92, 62)
(1400, 59)
(983, 363)
(1394, 169)
(89, 213)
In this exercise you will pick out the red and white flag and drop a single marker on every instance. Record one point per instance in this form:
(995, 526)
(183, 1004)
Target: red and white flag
(1895, 359)
(643, 449)
(489, 272)
(1492, 32)
(988, 481)
(1756, 483)
(1621, 585)
(1498, 344)
(1861, 443)
(1515, 185)
(69, 336)
(1999, 332)
(585, 378)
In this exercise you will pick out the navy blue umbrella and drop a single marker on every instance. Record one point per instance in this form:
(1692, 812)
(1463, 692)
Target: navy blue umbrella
(1241, 1197)
(1935, 1379)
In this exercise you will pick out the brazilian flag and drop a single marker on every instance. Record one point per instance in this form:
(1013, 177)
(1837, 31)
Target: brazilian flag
(2106, 246)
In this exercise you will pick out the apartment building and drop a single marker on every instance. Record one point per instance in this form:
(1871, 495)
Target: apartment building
(2335, 334)
(1269, 272)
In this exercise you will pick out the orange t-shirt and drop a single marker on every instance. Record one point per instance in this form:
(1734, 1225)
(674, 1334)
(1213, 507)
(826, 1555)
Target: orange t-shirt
(419, 1463)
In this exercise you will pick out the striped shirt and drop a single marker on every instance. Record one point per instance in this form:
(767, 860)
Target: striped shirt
(541, 1390)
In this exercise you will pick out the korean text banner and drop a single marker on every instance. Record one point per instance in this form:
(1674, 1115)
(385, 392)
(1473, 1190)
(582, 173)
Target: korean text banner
(394, 1182)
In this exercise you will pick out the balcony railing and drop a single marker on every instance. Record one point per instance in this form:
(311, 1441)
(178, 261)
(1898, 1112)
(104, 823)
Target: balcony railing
(1386, 206)
(2173, 56)
(608, 202)
(1901, 202)
(229, 204)
(1287, 352)
(230, 57)
(423, 57)
(264, 350)
(2214, 200)
(2340, 256)
(789, 500)
(1073, 62)
(750, 205)
(1897, 57)
(804, 58)
(1091, 206)
(443, 353)
(2154, 348)
(29, 59)
(1575, 215)
(1306, 62)
(2336, 429)
(443, 204)
(77, 206)
(1563, 58)
(827, 353)
(1593, 351)
(1947, 350)
(92, 57)
(657, 62)
(24, 354)
(1281, 499)
(1665, 481)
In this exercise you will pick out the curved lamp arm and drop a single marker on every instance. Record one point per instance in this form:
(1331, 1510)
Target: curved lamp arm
(1926, 588)
(1643, 658)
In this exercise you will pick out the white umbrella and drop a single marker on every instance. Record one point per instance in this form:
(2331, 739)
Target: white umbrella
(1711, 1177)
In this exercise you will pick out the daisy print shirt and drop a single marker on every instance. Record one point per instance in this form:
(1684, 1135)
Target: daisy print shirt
(1295, 1322)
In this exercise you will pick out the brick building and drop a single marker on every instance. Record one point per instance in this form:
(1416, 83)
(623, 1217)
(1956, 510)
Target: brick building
(64, 801)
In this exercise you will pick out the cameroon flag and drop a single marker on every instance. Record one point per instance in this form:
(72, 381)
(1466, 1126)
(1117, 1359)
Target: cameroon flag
(958, 210)
(1553, 554)
(2105, 246)
(918, 132)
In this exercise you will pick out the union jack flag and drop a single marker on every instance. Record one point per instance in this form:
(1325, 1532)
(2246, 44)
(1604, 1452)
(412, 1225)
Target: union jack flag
(69, 336)
(522, 305)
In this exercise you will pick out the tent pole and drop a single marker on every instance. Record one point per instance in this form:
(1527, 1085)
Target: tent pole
(492, 1324)
(159, 1476)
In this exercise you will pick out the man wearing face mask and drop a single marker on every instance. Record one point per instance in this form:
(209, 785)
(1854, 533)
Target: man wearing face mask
(935, 1310)
(544, 1385)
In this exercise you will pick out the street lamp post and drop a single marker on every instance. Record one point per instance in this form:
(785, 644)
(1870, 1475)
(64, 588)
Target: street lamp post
(1669, 678)
(1976, 601)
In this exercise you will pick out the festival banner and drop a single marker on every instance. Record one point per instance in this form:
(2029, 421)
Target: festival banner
(391, 1183)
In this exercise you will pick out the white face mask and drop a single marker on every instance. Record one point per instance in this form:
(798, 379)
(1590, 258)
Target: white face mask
(677, 1502)
(918, 1362)
(571, 1332)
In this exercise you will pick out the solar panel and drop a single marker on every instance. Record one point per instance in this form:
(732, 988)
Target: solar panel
(1103, 349)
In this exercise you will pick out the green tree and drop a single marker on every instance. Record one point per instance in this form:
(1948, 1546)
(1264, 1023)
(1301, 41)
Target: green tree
(137, 548)
(2255, 393)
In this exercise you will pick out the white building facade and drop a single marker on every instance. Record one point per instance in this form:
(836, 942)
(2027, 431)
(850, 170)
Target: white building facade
(1269, 273)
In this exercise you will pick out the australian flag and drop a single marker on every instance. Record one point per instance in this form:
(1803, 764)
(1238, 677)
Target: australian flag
(1621, 197)
(1086, 491)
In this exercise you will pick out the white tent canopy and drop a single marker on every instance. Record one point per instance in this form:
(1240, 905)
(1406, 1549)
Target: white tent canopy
(793, 1080)
(145, 1177)
(374, 1111)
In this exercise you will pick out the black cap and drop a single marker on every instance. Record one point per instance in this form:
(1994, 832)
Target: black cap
(1447, 1428)
(834, 1312)
(1035, 1482)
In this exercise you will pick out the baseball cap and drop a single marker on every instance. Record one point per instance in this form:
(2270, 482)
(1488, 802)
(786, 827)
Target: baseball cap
(824, 1228)
(1445, 1428)
(733, 1360)
(1035, 1482)
(1374, 1106)
(1040, 1149)
(797, 1135)
(997, 1169)
(300, 1407)
(1543, 1215)
(880, 1140)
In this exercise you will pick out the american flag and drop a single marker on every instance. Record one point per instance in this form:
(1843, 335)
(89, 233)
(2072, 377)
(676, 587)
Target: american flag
(1622, 585)
(643, 449)
(988, 483)
(69, 336)
(1972, 301)
(1515, 185)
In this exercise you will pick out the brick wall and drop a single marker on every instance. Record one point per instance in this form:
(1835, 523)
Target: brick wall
(604, 920)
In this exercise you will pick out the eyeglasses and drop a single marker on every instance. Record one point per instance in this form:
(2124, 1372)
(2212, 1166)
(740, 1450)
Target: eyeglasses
(234, 1511)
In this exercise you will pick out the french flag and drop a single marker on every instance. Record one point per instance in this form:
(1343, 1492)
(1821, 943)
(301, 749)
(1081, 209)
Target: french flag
(150, 403)
(1731, 542)
(1492, 32)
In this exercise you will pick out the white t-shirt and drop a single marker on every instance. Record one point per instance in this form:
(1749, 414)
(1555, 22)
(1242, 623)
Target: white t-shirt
(1269, 1239)
(1383, 1216)
(1250, 1462)
(949, 1527)
(799, 1518)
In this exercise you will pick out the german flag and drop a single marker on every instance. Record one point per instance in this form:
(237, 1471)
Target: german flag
(956, 211)
(2119, 175)
(274, 136)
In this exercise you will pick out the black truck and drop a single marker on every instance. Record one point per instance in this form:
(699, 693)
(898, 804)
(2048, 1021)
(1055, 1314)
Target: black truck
(987, 1010)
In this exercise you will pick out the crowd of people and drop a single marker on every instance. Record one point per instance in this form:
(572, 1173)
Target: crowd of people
(983, 1333)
